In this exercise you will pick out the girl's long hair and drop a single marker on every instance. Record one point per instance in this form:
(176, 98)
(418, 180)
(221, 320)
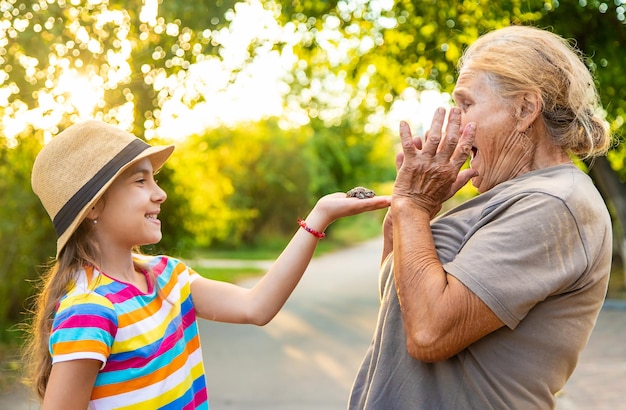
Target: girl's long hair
(81, 250)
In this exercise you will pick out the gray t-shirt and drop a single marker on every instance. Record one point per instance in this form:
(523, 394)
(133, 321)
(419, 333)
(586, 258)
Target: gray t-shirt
(535, 249)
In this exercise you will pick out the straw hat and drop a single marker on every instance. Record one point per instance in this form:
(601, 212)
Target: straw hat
(72, 172)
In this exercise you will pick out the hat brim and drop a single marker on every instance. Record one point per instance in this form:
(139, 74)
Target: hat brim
(158, 155)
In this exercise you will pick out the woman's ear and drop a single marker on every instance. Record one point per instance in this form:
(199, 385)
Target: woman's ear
(528, 109)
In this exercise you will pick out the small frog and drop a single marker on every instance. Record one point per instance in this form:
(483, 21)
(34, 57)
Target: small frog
(361, 193)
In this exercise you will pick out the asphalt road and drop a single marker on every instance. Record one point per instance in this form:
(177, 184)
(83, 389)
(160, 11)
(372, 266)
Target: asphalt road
(307, 357)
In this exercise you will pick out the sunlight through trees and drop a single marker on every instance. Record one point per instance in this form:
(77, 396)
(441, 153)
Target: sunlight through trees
(267, 100)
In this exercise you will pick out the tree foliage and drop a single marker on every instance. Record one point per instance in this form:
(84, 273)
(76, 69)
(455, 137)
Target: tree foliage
(385, 47)
(25, 235)
(44, 45)
(129, 47)
(245, 183)
(599, 30)
(397, 44)
(355, 58)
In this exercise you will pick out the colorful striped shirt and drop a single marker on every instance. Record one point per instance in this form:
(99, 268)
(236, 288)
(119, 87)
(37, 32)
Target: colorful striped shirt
(148, 342)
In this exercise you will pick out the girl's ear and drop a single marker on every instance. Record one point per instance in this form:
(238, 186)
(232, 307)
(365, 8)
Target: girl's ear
(94, 212)
(528, 109)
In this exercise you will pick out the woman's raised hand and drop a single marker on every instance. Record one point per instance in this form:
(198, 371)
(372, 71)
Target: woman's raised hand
(429, 171)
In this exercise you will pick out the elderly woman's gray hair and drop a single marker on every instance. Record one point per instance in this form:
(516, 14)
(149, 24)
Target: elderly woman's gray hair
(521, 59)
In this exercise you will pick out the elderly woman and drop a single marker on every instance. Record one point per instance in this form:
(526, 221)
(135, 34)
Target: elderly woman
(490, 304)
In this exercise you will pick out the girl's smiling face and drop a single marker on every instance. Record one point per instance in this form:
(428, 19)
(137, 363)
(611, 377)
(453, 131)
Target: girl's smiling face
(127, 215)
(501, 151)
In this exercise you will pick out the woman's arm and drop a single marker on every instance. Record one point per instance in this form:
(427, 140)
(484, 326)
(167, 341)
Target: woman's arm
(230, 303)
(387, 237)
(441, 316)
(388, 222)
(70, 384)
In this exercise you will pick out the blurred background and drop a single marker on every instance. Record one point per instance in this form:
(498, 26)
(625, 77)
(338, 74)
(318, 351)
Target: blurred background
(271, 104)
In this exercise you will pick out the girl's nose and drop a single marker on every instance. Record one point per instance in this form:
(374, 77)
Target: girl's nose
(159, 194)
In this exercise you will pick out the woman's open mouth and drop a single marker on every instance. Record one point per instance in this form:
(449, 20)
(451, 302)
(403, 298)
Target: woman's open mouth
(473, 154)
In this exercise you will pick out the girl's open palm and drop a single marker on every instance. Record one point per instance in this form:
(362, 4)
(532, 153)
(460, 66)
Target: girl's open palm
(337, 205)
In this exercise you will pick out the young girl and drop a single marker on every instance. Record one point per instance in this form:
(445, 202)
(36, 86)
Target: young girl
(116, 329)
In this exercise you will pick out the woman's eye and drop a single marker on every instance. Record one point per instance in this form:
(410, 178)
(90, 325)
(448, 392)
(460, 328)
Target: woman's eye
(463, 105)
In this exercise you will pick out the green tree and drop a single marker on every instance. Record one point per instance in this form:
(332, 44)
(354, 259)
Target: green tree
(135, 56)
(115, 48)
(387, 47)
(246, 183)
(25, 238)
(599, 29)
(355, 59)
(346, 155)
(125, 45)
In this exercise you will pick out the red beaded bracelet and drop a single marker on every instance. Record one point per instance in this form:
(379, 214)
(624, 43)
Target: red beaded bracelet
(311, 231)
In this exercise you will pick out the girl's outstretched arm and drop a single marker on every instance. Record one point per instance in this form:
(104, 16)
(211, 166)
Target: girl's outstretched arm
(70, 384)
(226, 302)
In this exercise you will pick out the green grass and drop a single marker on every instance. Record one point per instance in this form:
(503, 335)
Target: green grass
(229, 274)
(342, 233)
(10, 360)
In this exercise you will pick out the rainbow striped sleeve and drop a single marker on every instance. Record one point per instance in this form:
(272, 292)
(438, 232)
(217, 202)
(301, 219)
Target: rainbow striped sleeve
(84, 327)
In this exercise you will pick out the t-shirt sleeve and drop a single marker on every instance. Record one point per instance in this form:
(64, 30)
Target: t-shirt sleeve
(526, 250)
(193, 275)
(84, 327)
(185, 275)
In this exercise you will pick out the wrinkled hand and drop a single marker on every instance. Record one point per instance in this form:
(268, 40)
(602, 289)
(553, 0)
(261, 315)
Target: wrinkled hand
(429, 172)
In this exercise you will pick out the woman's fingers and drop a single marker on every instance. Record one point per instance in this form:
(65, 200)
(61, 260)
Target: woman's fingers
(399, 160)
(417, 142)
(449, 144)
(446, 146)
(408, 145)
(429, 169)
(464, 145)
(431, 143)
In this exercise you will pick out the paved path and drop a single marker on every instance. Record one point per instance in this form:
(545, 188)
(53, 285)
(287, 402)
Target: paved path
(307, 357)
(599, 381)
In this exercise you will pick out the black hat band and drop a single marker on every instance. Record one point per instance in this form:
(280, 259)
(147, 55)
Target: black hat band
(66, 215)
